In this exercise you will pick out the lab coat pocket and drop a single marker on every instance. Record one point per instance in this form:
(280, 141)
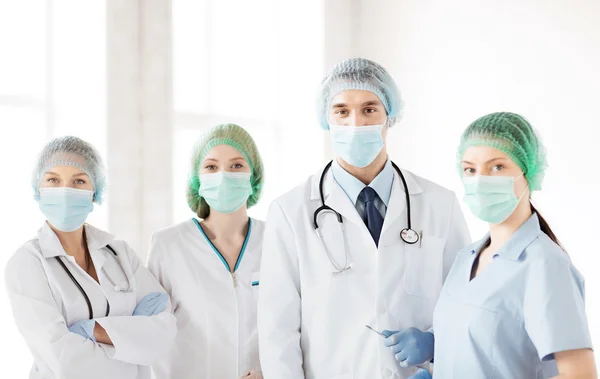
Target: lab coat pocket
(255, 285)
(423, 269)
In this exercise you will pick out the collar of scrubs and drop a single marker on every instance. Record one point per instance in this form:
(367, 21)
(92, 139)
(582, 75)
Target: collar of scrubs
(51, 247)
(212, 245)
(413, 187)
(382, 184)
(513, 249)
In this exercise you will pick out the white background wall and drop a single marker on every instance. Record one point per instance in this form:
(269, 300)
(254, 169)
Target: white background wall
(143, 86)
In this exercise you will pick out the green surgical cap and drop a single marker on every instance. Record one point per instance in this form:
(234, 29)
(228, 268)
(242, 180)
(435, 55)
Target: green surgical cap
(236, 137)
(513, 135)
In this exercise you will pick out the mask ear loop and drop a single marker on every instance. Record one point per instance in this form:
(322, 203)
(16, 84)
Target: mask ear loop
(525, 190)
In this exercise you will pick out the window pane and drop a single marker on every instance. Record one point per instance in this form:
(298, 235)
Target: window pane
(23, 48)
(190, 75)
(243, 58)
(79, 69)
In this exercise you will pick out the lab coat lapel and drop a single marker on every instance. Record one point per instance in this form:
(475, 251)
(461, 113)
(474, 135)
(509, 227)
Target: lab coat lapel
(338, 200)
(397, 205)
(97, 241)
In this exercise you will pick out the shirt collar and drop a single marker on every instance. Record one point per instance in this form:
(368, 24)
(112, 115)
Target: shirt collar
(513, 249)
(51, 247)
(382, 184)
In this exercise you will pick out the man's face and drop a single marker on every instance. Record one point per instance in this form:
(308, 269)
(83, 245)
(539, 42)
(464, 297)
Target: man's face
(356, 108)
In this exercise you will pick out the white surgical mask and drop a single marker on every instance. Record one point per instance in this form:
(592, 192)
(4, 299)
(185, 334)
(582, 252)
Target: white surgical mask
(491, 198)
(225, 192)
(66, 208)
(357, 145)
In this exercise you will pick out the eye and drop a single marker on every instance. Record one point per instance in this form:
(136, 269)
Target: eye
(370, 110)
(237, 166)
(210, 167)
(52, 180)
(341, 112)
(469, 170)
(80, 181)
(497, 168)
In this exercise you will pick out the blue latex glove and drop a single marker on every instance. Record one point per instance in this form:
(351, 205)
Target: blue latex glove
(421, 374)
(84, 328)
(410, 346)
(152, 304)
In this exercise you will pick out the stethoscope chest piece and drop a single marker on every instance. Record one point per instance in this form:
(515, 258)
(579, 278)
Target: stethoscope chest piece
(409, 236)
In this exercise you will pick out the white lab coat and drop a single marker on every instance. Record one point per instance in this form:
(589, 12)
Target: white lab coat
(45, 301)
(312, 323)
(216, 320)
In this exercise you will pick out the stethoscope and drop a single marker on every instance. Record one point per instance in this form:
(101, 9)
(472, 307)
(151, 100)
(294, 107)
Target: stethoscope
(408, 235)
(115, 286)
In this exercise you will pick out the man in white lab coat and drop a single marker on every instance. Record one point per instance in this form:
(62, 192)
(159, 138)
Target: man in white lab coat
(325, 277)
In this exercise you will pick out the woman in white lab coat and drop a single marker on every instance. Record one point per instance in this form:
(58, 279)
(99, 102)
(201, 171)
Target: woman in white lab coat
(210, 267)
(74, 289)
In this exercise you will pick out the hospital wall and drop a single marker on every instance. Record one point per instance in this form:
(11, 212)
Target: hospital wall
(456, 61)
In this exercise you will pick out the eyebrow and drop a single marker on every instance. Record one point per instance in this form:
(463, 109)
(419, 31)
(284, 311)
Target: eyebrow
(54, 173)
(489, 161)
(236, 158)
(372, 102)
(211, 159)
(340, 105)
(365, 104)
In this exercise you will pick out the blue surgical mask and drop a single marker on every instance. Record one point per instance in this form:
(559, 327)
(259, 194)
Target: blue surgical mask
(66, 208)
(491, 198)
(225, 192)
(357, 145)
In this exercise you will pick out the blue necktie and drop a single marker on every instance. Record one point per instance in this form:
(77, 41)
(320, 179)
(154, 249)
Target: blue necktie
(374, 220)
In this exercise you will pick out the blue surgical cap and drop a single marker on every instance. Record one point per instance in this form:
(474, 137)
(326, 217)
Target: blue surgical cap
(75, 152)
(360, 74)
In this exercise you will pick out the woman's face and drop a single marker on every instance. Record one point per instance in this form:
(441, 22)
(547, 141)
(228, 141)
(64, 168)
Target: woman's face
(66, 176)
(489, 161)
(223, 158)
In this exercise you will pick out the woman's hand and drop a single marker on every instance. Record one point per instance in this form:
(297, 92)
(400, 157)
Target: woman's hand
(152, 304)
(101, 335)
(84, 328)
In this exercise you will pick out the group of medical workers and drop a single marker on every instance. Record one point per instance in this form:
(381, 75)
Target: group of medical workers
(365, 270)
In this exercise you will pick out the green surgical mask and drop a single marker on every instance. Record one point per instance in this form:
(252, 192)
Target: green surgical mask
(225, 192)
(491, 198)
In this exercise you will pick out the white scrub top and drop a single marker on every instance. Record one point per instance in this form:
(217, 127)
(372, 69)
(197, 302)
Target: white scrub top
(525, 306)
(215, 310)
(312, 322)
(45, 301)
